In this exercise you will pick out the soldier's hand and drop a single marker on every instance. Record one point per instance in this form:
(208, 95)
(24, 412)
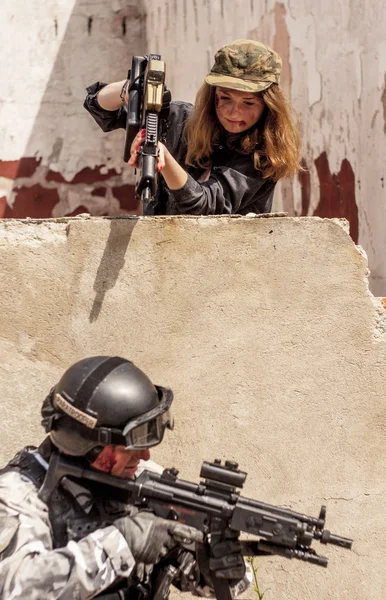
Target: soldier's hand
(151, 538)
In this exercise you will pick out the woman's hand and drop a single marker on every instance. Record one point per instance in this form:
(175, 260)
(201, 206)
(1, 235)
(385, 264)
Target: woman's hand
(162, 150)
(136, 147)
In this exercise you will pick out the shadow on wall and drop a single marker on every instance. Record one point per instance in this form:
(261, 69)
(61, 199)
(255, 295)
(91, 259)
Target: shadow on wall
(112, 262)
(51, 179)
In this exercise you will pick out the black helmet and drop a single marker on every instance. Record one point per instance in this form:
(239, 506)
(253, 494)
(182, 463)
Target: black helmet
(105, 400)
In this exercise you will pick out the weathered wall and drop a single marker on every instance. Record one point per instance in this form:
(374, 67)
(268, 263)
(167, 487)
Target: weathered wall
(266, 331)
(334, 56)
(54, 160)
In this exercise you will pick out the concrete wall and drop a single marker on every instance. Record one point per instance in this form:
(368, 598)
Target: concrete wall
(54, 160)
(266, 331)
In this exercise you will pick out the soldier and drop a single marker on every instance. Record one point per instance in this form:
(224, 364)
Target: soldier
(86, 541)
(225, 154)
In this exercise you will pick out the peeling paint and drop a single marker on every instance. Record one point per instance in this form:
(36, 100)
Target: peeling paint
(126, 196)
(48, 138)
(86, 175)
(338, 89)
(29, 189)
(3, 206)
(24, 167)
(36, 201)
(100, 191)
(337, 193)
(305, 185)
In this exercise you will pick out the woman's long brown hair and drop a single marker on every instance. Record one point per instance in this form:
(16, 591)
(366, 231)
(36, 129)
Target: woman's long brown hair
(275, 142)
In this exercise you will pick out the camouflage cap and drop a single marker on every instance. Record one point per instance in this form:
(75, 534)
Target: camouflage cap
(245, 65)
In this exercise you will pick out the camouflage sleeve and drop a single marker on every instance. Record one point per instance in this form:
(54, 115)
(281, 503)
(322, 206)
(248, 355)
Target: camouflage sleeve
(31, 568)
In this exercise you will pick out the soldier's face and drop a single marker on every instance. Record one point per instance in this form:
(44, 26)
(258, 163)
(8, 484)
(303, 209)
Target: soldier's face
(237, 110)
(120, 462)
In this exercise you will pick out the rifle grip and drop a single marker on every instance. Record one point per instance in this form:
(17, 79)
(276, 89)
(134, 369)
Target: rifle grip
(131, 132)
(221, 587)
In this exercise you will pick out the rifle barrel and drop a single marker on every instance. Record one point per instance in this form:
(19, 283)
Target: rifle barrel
(326, 537)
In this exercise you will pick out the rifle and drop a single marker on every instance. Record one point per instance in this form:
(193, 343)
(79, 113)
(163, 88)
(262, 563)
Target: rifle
(145, 102)
(211, 506)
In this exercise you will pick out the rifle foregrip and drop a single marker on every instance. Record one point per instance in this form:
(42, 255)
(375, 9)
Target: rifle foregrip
(131, 132)
(147, 184)
(221, 588)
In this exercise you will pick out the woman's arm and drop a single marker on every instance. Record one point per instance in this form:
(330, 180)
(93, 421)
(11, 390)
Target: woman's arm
(104, 104)
(174, 175)
(109, 97)
(227, 191)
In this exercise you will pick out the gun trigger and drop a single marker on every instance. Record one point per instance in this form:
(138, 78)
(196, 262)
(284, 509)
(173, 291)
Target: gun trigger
(172, 515)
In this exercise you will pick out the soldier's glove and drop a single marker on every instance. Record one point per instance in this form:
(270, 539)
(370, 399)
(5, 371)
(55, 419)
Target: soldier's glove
(151, 538)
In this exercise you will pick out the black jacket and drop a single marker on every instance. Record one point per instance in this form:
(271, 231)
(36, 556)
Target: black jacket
(234, 185)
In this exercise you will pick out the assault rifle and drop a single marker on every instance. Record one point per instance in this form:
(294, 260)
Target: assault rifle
(145, 103)
(212, 506)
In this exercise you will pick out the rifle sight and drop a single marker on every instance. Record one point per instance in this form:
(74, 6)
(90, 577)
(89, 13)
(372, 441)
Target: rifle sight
(226, 476)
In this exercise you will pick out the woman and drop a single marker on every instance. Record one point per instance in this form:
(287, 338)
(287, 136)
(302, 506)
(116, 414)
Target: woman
(225, 154)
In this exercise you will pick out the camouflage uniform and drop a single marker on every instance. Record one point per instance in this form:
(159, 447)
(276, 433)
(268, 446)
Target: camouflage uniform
(31, 567)
(36, 564)
(85, 539)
